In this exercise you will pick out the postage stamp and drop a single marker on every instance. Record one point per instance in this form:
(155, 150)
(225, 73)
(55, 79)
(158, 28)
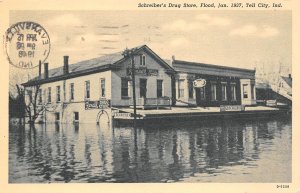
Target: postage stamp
(26, 44)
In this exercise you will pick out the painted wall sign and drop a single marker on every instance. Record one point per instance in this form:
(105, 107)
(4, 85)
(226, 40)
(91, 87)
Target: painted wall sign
(101, 104)
(199, 83)
(224, 108)
(143, 71)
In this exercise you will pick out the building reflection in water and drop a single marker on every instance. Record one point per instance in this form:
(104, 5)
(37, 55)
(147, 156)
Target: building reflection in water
(93, 153)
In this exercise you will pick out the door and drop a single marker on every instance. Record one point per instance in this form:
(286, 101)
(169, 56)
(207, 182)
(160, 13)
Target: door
(143, 88)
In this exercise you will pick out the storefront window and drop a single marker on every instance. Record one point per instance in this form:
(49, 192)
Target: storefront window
(191, 89)
(252, 91)
(180, 88)
(233, 92)
(224, 92)
(87, 90)
(213, 92)
(124, 87)
(202, 93)
(245, 91)
(159, 88)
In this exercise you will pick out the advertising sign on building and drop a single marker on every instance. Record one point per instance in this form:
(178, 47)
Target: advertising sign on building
(143, 71)
(199, 83)
(224, 108)
(101, 104)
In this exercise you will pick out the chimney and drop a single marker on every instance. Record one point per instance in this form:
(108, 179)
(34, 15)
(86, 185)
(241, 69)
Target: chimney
(40, 69)
(290, 76)
(46, 72)
(173, 58)
(66, 64)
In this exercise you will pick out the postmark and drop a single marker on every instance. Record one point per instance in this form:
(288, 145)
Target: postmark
(26, 44)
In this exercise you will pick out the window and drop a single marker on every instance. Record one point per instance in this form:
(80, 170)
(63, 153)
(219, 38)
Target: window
(29, 93)
(159, 88)
(213, 91)
(202, 93)
(124, 87)
(57, 93)
(40, 100)
(57, 117)
(191, 89)
(87, 90)
(233, 92)
(49, 95)
(180, 88)
(245, 91)
(142, 60)
(76, 117)
(72, 91)
(252, 91)
(224, 92)
(102, 87)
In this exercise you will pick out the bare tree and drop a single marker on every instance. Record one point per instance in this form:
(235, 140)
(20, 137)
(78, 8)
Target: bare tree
(30, 101)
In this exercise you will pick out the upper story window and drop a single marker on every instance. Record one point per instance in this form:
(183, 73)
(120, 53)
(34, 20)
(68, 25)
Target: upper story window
(72, 91)
(57, 93)
(87, 90)
(102, 87)
(49, 95)
(142, 60)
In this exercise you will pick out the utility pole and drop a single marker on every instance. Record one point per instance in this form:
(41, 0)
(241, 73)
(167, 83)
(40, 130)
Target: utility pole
(130, 53)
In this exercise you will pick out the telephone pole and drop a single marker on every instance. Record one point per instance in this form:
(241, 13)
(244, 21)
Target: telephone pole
(130, 53)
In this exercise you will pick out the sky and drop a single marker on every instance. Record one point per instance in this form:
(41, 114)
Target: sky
(245, 39)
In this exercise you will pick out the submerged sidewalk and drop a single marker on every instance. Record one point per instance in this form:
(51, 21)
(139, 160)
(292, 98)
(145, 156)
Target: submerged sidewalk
(187, 112)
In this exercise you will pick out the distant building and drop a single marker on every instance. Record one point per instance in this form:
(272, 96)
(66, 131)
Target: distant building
(66, 92)
(279, 91)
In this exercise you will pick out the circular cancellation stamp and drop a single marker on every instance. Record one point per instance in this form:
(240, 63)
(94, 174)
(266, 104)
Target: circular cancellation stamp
(26, 44)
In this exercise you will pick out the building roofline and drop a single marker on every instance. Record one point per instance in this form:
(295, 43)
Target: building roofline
(210, 66)
(37, 81)
(68, 76)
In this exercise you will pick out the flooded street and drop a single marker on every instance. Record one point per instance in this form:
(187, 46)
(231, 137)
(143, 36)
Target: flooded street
(248, 150)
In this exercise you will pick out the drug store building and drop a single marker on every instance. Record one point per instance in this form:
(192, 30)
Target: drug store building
(72, 92)
(221, 85)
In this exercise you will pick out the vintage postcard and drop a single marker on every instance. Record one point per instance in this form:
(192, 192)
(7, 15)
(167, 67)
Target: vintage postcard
(149, 96)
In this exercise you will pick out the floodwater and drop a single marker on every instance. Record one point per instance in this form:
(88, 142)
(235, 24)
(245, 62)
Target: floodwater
(248, 150)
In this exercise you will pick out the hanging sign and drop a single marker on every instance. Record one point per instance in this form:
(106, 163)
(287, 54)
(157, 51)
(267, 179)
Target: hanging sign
(199, 83)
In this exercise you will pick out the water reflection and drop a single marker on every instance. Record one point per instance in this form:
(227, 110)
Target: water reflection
(205, 151)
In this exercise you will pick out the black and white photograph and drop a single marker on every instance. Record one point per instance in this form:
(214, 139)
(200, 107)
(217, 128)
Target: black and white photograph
(151, 95)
